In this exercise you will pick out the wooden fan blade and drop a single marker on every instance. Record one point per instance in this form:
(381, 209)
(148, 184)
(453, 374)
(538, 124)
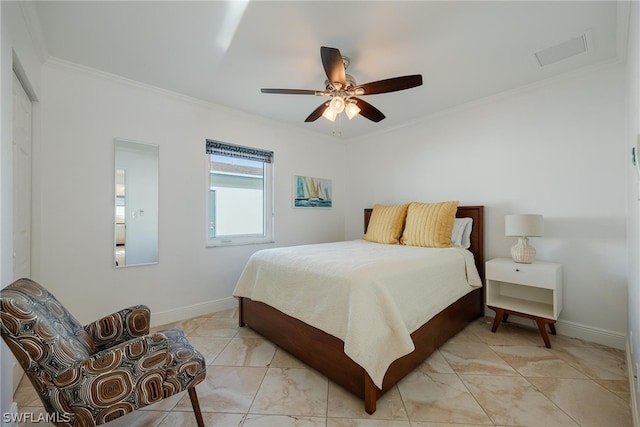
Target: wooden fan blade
(292, 91)
(315, 115)
(369, 111)
(389, 85)
(333, 65)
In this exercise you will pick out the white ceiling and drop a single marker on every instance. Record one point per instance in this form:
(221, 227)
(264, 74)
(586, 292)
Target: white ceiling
(224, 52)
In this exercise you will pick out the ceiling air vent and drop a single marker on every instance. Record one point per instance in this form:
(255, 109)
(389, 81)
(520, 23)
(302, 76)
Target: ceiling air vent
(562, 51)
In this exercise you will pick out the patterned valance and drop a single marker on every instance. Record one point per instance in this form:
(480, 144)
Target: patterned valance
(232, 150)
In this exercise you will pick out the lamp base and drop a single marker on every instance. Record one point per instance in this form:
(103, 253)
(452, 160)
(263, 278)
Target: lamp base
(522, 252)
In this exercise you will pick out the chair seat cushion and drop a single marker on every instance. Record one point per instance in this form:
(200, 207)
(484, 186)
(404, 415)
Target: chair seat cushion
(186, 367)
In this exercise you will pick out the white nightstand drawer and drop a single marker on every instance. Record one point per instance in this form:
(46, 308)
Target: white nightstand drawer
(539, 274)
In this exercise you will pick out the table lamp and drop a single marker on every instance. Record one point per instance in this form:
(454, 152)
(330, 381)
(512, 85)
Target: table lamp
(523, 226)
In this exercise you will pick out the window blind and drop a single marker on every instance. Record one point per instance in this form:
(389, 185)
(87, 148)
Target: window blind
(232, 150)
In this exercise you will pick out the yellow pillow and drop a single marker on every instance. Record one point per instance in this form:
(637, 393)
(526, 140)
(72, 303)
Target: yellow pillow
(386, 223)
(430, 224)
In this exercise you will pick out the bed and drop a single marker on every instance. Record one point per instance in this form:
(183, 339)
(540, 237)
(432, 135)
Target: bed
(333, 357)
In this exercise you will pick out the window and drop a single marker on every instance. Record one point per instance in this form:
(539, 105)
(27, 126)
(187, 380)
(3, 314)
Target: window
(240, 195)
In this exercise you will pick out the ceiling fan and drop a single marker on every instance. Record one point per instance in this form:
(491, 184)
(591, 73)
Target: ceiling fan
(344, 92)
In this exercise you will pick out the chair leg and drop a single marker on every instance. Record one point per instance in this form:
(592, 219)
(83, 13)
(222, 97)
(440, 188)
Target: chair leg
(196, 406)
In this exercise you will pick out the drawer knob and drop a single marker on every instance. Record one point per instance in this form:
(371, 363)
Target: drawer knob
(517, 269)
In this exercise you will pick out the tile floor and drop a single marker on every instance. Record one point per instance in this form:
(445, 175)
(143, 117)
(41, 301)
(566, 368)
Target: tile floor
(476, 379)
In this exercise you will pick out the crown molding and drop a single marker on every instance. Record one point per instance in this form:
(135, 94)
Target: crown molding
(61, 64)
(568, 76)
(34, 28)
(622, 28)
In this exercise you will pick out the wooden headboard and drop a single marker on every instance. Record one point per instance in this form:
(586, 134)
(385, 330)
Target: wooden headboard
(477, 232)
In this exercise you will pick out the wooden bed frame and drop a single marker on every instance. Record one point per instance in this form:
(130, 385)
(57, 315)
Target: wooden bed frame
(325, 353)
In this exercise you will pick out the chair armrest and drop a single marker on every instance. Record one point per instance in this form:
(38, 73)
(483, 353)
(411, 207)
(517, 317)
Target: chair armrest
(116, 375)
(119, 327)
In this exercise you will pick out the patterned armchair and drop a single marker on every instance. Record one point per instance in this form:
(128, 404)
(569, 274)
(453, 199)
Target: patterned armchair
(92, 374)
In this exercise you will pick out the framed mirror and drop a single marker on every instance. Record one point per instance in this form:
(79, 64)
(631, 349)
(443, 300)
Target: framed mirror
(135, 204)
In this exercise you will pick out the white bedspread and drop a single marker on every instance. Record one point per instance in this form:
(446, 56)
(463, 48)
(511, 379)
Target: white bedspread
(372, 296)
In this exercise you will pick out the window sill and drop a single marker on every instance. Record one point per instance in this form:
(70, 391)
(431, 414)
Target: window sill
(225, 243)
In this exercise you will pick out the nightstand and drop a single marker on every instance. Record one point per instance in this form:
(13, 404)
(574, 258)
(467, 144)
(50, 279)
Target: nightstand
(532, 290)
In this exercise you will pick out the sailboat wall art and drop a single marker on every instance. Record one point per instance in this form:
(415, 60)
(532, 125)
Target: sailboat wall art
(311, 192)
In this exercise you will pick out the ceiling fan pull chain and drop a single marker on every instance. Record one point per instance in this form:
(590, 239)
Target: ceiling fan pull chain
(337, 124)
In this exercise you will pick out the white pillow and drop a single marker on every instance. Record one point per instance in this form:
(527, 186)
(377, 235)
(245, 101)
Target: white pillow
(461, 233)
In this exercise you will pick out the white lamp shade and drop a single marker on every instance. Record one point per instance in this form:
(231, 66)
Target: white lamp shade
(351, 110)
(337, 105)
(524, 225)
(329, 114)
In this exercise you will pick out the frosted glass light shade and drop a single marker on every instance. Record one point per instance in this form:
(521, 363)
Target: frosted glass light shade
(351, 110)
(337, 105)
(329, 114)
(524, 225)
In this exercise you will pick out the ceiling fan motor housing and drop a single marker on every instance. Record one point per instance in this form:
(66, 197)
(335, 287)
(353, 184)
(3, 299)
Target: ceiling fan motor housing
(350, 82)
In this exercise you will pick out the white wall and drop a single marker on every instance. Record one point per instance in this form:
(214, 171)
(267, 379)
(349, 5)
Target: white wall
(82, 112)
(633, 194)
(555, 149)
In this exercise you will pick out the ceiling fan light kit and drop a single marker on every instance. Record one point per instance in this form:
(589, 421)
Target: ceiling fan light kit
(343, 90)
(337, 105)
(351, 110)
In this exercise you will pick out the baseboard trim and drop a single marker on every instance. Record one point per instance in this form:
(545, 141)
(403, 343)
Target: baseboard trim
(592, 334)
(187, 312)
(17, 373)
(633, 386)
(8, 419)
(580, 331)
